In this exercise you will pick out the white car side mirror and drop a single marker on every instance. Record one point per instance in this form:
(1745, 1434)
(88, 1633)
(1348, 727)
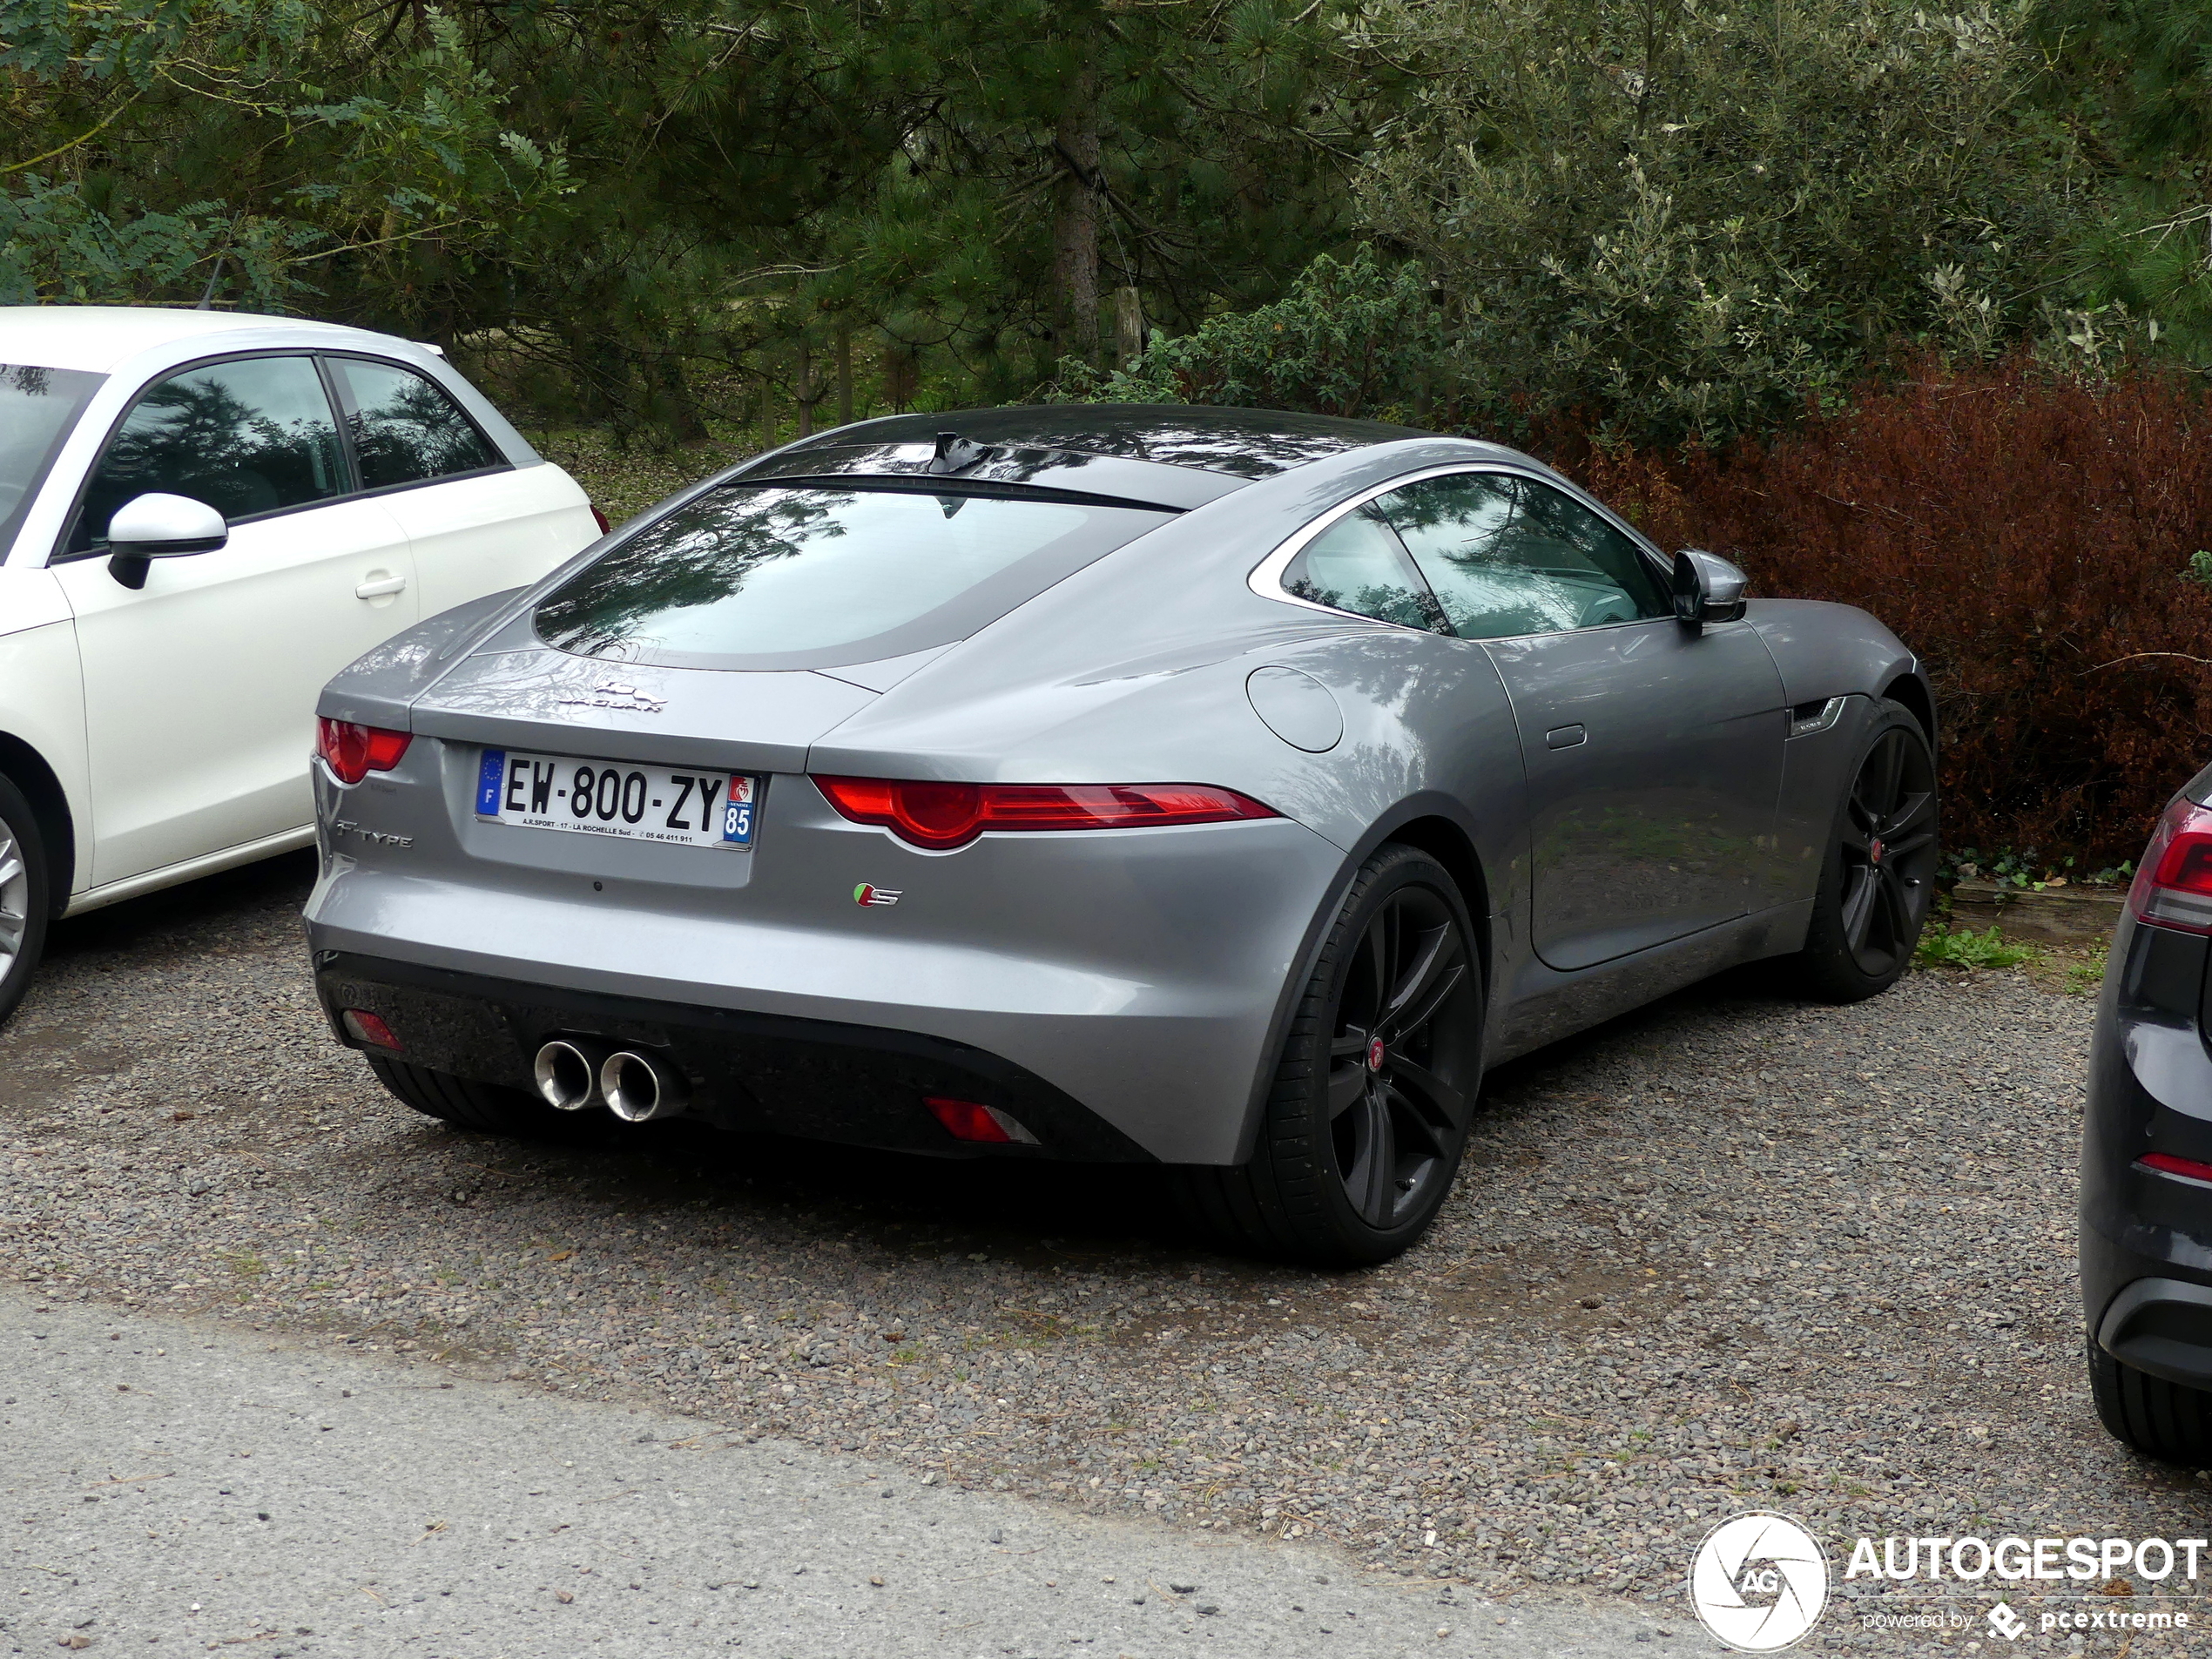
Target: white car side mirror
(157, 526)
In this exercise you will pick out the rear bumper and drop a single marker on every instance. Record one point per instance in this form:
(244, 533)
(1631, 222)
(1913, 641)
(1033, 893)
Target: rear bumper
(857, 1084)
(2146, 1239)
(1142, 975)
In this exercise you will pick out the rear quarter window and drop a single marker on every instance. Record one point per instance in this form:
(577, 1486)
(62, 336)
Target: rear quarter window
(764, 577)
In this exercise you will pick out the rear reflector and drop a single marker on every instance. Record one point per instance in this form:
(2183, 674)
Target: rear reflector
(2172, 886)
(967, 1120)
(352, 751)
(368, 1028)
(2167, 1163)
(942, 816)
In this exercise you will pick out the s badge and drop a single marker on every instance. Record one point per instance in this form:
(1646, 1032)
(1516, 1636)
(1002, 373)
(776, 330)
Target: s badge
(868, 894)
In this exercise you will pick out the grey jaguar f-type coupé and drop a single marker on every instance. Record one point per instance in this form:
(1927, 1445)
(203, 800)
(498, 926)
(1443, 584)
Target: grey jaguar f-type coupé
(1210, 787)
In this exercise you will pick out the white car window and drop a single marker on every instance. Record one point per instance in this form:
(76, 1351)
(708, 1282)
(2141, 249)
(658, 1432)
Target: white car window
(38, 408)
(250, 436)
(405, 428)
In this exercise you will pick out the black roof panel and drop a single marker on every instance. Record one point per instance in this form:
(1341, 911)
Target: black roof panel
(1242, 443)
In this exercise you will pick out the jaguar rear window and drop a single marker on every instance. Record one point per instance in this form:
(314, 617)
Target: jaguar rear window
(809, 576)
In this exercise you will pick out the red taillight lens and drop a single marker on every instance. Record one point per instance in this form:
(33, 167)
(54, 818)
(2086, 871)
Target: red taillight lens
(2172, 886)
(2167, 1163)
(947, 815)
(600, 518)
(352, 751)
(370, 1028)
(967, 1121)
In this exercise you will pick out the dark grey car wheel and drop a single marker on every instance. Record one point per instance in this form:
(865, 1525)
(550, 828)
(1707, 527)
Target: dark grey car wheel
(1879, 879)
(25, 898)
(1376, 1085)
(2161, 1419)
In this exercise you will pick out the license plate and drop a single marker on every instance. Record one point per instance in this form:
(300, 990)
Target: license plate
(683, 805)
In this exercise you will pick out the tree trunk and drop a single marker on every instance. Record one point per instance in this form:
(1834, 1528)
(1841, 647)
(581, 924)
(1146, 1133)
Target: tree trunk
(1129, 326)
(807, 395)
(1074, 224)
(844, 376)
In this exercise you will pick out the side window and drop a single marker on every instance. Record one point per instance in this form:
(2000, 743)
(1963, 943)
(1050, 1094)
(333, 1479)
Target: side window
(405, 427)
(1359, 564)
(1510, 556)
(246, 437)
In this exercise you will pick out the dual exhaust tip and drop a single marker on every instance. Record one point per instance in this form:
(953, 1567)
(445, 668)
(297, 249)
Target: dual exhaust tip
(575, 1073)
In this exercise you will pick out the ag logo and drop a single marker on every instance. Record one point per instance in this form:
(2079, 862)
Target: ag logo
(1758, 1583)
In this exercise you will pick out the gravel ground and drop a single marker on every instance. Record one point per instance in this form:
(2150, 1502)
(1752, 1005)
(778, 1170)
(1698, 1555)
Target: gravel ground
(1733, 1252)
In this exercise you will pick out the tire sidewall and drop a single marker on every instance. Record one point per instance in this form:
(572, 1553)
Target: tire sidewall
(23, 823)
(1389, 872)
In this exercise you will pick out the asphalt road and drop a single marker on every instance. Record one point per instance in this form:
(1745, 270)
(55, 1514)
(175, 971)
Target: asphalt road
(176, 1487)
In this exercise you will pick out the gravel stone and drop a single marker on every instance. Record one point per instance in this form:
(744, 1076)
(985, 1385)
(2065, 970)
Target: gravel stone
(1732, 1252)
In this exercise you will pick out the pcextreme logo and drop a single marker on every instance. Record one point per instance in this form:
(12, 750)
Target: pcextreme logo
(1758, 1583)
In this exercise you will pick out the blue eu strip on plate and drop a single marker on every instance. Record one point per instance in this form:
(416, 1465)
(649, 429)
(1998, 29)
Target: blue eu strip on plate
(489, 776)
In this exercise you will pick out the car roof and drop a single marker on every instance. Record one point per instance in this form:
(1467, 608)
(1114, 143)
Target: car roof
(1174, 456)
(97, 338)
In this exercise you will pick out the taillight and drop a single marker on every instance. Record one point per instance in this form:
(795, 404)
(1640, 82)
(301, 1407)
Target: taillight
(600, 518)
(2172, 886)
(947, 815)
(2167, 1163)
(352, 751)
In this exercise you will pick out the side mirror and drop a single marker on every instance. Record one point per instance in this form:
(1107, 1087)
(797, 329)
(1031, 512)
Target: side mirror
(1707, 589)
(159, 527)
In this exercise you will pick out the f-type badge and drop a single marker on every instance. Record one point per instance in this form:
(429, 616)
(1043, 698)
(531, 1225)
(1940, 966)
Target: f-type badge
(867, 893)
(612, 694)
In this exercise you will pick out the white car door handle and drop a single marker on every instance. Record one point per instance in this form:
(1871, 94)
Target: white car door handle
(377, 587)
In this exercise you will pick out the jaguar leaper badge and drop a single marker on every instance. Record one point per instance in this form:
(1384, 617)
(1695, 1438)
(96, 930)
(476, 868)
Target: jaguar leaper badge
(868, 894)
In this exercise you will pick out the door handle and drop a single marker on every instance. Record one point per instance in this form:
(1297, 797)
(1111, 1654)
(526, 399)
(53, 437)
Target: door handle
(1564, 736)
(378, 586)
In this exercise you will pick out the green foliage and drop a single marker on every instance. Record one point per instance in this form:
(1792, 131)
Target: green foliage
(2200, 568)
(1353, 337)
(1940, 947)
(1684, 219)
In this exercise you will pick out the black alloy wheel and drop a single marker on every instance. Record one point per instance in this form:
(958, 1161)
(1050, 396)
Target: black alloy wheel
(1879, 881)
(1375, 1086)
(1397, 1104)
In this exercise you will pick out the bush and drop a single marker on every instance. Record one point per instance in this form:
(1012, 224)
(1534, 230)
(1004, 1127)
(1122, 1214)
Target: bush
(1353, 337)
(2031, 537)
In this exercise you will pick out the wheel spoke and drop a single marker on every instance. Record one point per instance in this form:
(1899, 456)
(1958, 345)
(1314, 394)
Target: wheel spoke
(1346, 1085)
(1891, 771)
(11, 931)
(1374, 1187)
(1352, 1042)
(1859, 900)
(1898, 909)
(1432, 1099)
(1897, 849)
(1375, 948)
(10, 866)
(1424, 989)
(1907, 816)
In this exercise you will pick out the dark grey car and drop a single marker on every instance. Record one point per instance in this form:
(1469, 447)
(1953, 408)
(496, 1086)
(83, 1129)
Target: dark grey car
(2147, 1151)
(1205, 787)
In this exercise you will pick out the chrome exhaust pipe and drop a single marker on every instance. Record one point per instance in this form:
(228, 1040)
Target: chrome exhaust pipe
(639, 1088)
(568, 1073)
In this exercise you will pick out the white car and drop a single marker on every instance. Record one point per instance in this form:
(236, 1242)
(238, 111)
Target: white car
(204, 515)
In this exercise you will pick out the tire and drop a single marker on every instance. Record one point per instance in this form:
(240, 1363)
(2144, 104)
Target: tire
(1389, 1028)
(2169, 1421)
(489, 1108)
(1878, 880)
(26, 896)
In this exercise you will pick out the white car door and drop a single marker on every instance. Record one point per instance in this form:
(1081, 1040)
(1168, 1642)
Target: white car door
(477, 524)
(200, 687)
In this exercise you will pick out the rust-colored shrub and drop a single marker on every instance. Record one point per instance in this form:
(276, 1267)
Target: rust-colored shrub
(2026, 537)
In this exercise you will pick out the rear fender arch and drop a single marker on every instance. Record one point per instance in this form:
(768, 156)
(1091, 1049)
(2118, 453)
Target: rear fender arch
(1434, 825)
